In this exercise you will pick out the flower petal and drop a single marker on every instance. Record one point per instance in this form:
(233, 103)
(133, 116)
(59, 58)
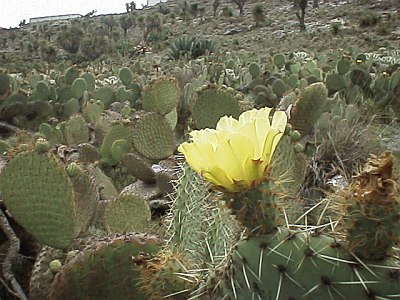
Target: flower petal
(228, 124)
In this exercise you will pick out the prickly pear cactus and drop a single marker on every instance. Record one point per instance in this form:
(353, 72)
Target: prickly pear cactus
(42, 277)
(118, 131)
(161, 96)
(138, 167)
(295, 265)
(309, 107)
(370, 210)
(40, 194)
(127, 213)
(211, 104)
(76, 130)
(153, 136)
(107, 270)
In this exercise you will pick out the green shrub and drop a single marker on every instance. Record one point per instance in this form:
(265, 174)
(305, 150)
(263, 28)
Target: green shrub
(369, 19)
(190, 47)
(227, 11)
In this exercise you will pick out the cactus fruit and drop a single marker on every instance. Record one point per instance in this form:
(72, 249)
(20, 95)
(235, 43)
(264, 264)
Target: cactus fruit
(161, 96)
(40, 196)
(308, 107)
(370, 210)
(153, 137)
(110, 271)
(293, 265)
(127, 213)
(125, 75)
(211, 104)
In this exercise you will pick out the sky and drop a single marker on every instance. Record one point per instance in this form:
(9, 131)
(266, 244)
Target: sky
(12, 12)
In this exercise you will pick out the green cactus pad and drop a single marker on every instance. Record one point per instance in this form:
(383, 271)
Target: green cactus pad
(93, 111)
(86, 198)
(343, 66)
(118, 131)
(42, 91)
(64, 93)
(105, 94)
(289, 265)
(161, 95)
(5, 83)
(71, 74)
(335, 82)
(308, 107)
(280, 88)
(254, 70)
(211, 104)
(79, 86)
(39, 194)
(71, 107)
(127, 213)
(119, 149)
(42, 277)
(125, 75)
(90, 81)
(76, 130)
(153, 137)
(139, 168)
(279, 60)
(108, 272)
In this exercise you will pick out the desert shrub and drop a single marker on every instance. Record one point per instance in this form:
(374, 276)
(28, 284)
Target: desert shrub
(369, 19)
(70, 38)
(227, 11)
(258, 14)
(191, 47)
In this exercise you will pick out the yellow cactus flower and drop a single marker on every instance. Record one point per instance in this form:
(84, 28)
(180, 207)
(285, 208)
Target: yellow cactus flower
(236, 155)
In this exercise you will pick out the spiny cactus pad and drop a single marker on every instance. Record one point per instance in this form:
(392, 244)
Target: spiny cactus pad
(212, 104)
(139, 168)
(309, 107)
(288, 265)
(153, 136)
(109, 272)
(39, 194)
(161, 95)
(127, 213)
(118, 131)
